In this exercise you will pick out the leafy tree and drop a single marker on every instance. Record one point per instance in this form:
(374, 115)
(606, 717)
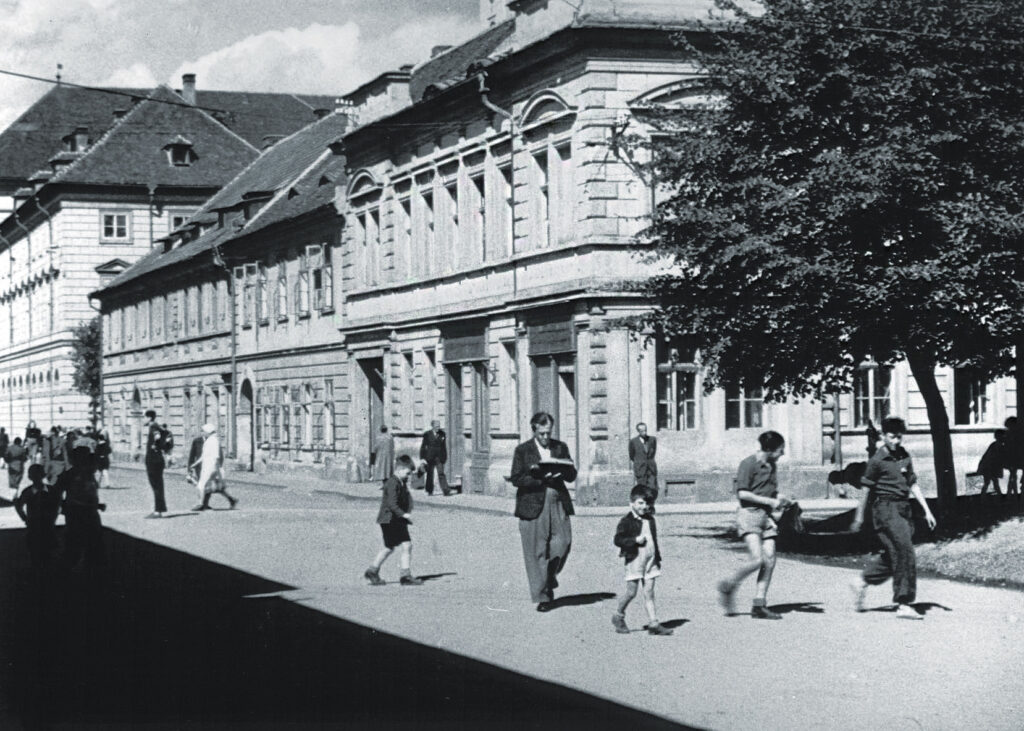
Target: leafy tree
(86, 357)
(852, 189)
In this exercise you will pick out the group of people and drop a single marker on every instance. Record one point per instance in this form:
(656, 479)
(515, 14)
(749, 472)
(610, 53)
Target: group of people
(204, 468)
(1005, 453)
(542, 465)
(65, 470)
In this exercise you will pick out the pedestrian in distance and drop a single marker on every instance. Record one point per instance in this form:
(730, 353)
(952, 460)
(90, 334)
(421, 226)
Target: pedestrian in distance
(890, 482)
(5, 441)
(1013, 453)
(383, 455)
(642, 450)
(103, 451)
(155, 464)
(210, 467)
(540, 468)
(394, 519)
(757, 488)
(637, 538)
(38, 506)
(990, 466)
(434, 453)
(33, 437)
(15, 458)
(55, 455)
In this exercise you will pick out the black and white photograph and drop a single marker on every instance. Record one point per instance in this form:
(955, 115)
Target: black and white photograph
(511, 364)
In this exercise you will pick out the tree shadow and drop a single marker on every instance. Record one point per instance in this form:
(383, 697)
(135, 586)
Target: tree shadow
(162, 637)
(578, 600)
(803, 607)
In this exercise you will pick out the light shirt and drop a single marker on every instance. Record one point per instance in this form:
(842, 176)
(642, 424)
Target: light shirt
(545, 452)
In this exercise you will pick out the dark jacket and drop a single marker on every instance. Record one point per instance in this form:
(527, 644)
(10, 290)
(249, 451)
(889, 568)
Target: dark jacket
(628, 531)
(530, 488)
(642, 457)
(434, 447)
(395, 501)
(155, 444)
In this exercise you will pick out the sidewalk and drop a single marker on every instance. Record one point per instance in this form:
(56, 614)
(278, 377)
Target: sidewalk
(480, 503)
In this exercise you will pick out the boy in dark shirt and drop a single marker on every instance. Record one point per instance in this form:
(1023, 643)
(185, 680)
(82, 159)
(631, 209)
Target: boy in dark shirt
(84, 530)
(637, 538)
(394, 519)
(38, 505)
(757, 489)
(890, 482)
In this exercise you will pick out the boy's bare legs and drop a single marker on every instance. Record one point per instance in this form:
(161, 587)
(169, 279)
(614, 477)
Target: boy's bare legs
(619, 618)
(764, 575)
(381, 558)
(762, 560)
(654, 627)
(405, 562)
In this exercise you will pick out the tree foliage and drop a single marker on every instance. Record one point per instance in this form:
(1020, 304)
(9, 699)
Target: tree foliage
(853, 190)
(86, 357)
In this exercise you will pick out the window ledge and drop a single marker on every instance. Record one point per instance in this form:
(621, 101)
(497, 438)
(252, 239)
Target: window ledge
(282, 318)
(327, 311)
(303, 315)
(247, 326)
(264, 321)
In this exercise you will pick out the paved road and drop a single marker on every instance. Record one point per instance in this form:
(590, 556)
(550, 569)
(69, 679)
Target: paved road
(823, 666)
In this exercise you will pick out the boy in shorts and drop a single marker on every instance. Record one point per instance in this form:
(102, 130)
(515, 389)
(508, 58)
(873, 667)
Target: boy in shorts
(394, 519)
(637, 538)
(757, 489)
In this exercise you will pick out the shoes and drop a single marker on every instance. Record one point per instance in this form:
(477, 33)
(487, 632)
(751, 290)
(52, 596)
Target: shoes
(410, 581)
(657, 628)
(545, 606)
(234, 502)
(155, 514)
(859, 590)
(373, 577)
(618, 622)
(727, 598)
(447, 493)
(759, 612)
(905, 611)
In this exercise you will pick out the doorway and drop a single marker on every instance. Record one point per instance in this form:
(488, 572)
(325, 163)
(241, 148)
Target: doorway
(454, 427)
(373, 372)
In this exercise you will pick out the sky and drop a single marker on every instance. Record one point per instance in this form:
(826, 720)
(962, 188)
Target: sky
(309, 46)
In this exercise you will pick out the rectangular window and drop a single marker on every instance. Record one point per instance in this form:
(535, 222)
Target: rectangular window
(563, 207)
(286, 416)
(116, 227)
(478, 204)
(315, 258)
(970, 397)
(302, 287)
(429, 249)
(328, 414)
(453, 255)
(262, 295)
(403, 237)
(178, 220)
(282, 290)
(542, 201)
(677, 387)
(872, 386)
(409, 388)
(505, 243)
(743, 407)
(327, 281)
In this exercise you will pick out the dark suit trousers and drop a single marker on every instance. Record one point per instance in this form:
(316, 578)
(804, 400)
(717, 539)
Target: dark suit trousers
(894, 522)
(428, 487)
(155, 473)
(546, 543)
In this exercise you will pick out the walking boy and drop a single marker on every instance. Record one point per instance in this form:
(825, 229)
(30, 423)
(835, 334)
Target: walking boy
(394, 519)
(890, 481)
(991, 464)
(637, 538)
(38, 505)
(757, 488)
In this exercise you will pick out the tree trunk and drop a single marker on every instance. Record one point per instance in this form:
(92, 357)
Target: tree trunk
(923, 369)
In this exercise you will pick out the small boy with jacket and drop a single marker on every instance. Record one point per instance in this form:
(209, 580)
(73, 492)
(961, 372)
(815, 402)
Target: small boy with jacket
(38, 505)
(394, 519)
(637, 539)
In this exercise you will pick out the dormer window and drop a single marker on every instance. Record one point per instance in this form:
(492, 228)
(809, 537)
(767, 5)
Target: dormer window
(180, 152)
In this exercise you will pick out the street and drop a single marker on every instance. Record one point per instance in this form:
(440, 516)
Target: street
(259, 618)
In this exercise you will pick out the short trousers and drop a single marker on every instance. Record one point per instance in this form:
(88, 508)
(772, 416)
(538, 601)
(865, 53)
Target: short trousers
(642, 567)
(395, 533)
(756, 520)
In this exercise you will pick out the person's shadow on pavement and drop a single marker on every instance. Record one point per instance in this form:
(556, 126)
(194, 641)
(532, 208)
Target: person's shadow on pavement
(578, 600)
(431, 577)
(804, 607)
(921, 607)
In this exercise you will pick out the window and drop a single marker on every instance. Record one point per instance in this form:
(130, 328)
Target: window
(302, 287)
(970, 397)
(282, 291)
(178, 220)
(542, 220)
(307, 415)
(275, 414)
(743, 407)
(872, 386)
(321, 277)
(258, 412)
(328, 414)
(677, 387)
(286, 417)
(245, 282)
(507, 201)
(262, 295)
(409, 388)
(403, 236)
(452, 256)
(116, 228)
(479, 208)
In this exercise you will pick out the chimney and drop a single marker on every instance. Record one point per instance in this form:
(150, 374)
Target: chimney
(269, 140)
(188, 87)
(81, 138)
(118, 113)
(321, 112)
(438, 50)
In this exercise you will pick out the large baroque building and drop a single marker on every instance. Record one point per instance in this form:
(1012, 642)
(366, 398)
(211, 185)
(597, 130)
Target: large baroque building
(460, 245)
(89, 180)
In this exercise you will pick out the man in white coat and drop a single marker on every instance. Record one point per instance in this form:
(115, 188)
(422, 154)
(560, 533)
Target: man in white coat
(209, 466)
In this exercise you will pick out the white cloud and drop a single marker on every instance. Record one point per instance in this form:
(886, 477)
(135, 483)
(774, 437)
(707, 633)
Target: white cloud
(137, 75)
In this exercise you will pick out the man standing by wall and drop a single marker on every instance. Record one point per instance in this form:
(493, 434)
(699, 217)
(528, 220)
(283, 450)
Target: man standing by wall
(155, 464)
(641, 454)
(434, 452)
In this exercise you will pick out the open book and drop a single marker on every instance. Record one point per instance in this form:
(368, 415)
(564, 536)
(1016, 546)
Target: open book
(558, 465)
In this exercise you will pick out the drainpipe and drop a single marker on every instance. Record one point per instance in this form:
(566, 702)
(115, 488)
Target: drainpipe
(152, 199)
(98, 412)
(28, 293)
(513, 133)
(219, 261)
(51, 275)
(10, 336)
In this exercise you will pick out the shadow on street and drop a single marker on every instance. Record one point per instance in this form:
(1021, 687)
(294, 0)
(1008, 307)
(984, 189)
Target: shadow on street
(161, 638)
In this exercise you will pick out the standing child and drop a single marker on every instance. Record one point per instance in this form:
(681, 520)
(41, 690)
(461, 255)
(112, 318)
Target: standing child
(394, 519)
(990, 467)
(637, 538)
(38, 505)
(890, 481)
(757, 487)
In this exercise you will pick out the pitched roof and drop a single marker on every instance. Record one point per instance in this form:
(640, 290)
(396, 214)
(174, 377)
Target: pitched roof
(132, 151)
(452, 65)
(295, 163)
(33, 138)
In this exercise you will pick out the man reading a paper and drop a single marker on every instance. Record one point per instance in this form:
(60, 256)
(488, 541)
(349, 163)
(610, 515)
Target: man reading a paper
(540, 468)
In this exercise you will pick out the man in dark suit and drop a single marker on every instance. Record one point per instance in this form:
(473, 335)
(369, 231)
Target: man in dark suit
(434, 452)
(155, 464)
(543, 507)
(642, 449)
